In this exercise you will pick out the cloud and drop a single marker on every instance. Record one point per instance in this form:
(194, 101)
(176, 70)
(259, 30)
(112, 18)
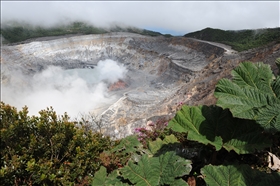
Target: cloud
(178, 16)
(73, 91)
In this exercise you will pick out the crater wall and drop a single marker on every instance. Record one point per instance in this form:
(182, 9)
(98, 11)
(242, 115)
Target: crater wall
(158, 68)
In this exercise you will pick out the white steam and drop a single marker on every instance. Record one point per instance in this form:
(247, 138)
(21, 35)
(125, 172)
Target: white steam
(73, 91)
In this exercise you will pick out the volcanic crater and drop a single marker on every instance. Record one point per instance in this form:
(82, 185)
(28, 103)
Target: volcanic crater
(157, 69)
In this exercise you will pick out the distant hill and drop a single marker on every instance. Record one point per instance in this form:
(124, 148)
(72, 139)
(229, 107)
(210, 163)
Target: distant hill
(17, 32)
(239, 40)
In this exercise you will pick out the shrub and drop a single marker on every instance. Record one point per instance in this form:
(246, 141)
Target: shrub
(47, 150)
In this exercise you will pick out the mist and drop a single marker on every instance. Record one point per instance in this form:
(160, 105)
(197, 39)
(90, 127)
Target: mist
(73, 91)
(176, 16)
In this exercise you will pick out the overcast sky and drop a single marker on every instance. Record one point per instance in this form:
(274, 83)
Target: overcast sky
(176, 18)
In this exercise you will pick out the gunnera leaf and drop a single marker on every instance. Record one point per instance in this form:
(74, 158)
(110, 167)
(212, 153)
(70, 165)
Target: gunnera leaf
(216, 126)
(101, 178)
(237, 175)
(158, 144)
(191, 120)
(278, 64)
(128, 145)
(153, 171)
(252, 94)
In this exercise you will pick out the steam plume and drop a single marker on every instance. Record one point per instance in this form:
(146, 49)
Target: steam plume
(73, 91)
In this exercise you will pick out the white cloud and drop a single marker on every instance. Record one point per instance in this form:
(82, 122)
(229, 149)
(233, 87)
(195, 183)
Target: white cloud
(179, 16)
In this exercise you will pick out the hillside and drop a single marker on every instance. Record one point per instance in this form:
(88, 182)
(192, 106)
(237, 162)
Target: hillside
(18, 32)
(240, 40)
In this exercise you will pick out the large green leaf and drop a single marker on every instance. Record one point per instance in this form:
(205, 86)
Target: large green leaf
(192, 121)
(276, 86)
(252, 94)
(160, 170)
(155, 146)
(223, 175)
(171, 167)
(215, 126)
(128, 145)
(237, 175)
(145, 173)
(101, 178)
(278, 64)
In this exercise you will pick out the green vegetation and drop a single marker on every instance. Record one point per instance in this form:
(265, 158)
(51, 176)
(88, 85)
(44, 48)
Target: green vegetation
(47, 149)
(237, 175)
(201, 145)
(239, 40)
(215, 126)
(254, 93)
(18, 32)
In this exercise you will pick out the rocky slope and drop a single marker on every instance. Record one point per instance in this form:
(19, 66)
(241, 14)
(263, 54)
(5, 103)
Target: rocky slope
(162, 72)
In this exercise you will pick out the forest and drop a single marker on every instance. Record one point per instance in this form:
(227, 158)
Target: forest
(18, 32)
(239, 40)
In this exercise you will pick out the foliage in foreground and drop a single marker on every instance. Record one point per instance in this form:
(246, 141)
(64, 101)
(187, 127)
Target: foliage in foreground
(237, 175)
(46, 149)
(254, 93)
(202, 145)
(215, 126)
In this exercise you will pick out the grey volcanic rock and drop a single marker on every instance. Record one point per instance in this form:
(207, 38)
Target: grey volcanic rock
(159, 69)
(133, 50)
